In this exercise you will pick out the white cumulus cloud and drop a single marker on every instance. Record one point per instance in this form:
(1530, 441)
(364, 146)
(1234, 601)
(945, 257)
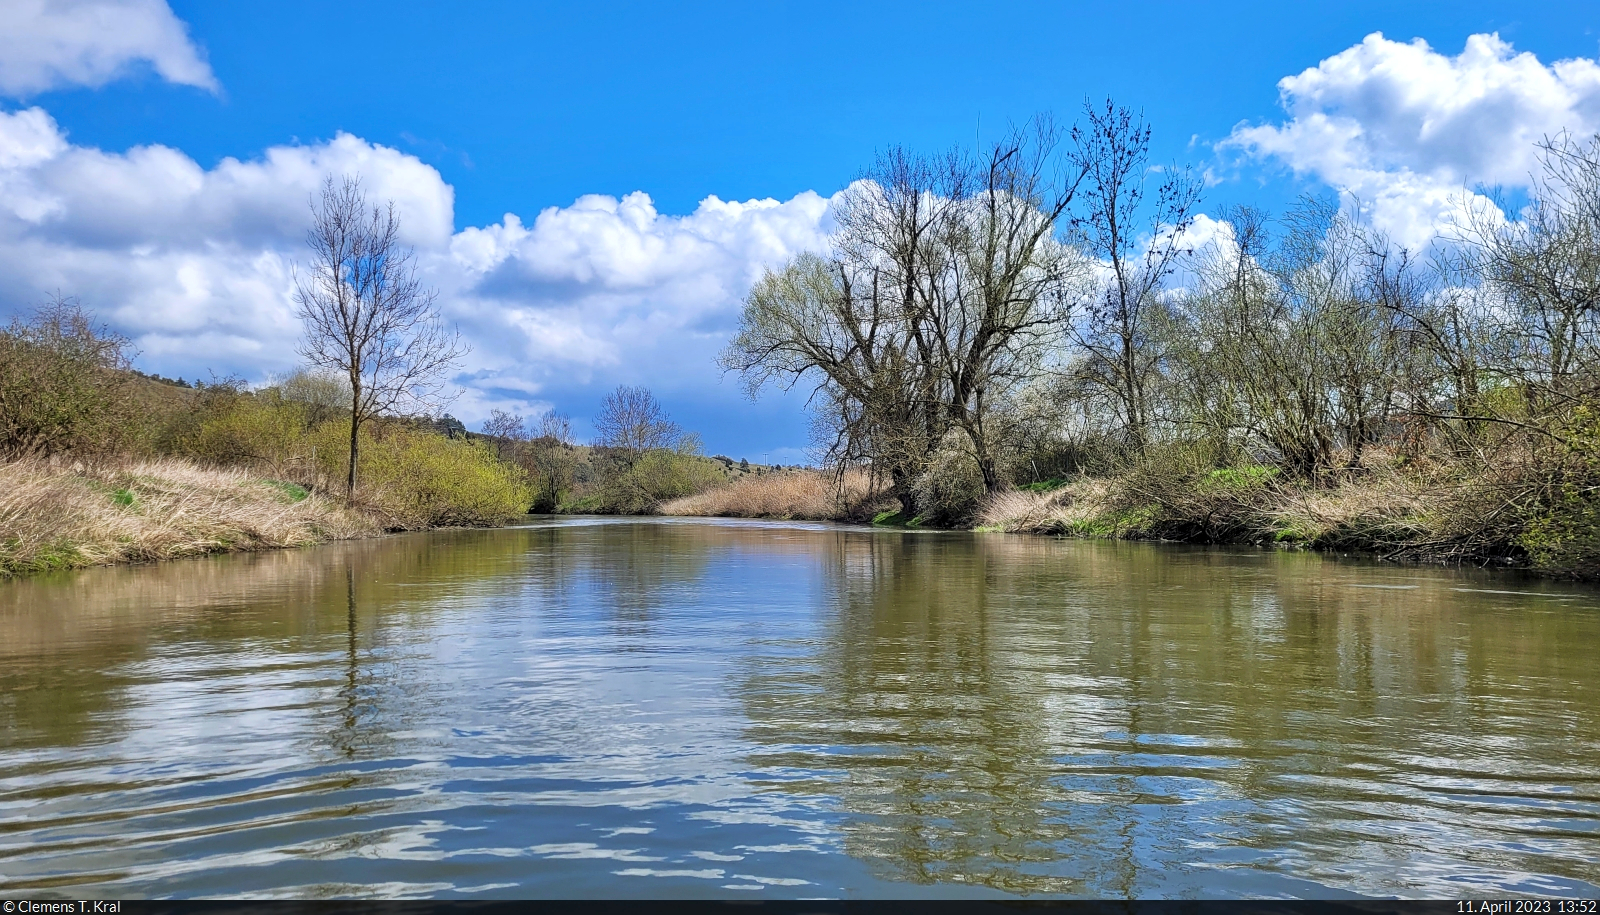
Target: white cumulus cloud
(195, 264)
(1405, 129)
(49, 44)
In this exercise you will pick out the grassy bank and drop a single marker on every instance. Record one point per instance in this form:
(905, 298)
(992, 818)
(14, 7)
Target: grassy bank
(55, 515)
(1388, 508)
(1374, 515)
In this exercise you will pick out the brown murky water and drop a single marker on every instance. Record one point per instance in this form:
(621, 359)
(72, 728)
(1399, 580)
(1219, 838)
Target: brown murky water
(697, 708)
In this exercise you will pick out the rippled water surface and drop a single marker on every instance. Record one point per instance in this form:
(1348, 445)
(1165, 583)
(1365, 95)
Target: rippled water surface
(688, 708)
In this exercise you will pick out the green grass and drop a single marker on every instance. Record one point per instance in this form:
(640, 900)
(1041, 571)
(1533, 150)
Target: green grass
(1112, 525)
(1237, 478)
(123, 497)
(1046, 485)
(587, 505)
(53, 557)
(895, 518)
(294, 491)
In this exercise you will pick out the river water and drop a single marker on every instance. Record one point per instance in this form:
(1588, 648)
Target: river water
(685, 708)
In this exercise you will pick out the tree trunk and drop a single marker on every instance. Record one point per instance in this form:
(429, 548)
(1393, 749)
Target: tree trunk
(901, 485)
(986, 462)
(355, 429)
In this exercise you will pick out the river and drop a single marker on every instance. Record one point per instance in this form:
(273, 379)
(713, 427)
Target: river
(689, 708)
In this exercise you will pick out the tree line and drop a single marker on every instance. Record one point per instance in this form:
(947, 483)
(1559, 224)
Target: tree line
(1043, 309)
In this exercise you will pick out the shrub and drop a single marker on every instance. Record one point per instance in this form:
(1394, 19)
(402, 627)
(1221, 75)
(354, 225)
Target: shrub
(416, 478)
(632, 484)
(1561, 534)
(950, 490)
(64, 384)
(236, 427)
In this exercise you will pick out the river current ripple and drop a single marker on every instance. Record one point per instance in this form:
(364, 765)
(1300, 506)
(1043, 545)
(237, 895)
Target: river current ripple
(654, 708)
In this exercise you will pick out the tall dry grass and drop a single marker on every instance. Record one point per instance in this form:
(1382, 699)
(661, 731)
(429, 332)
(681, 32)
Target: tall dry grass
(1070, 508)
(798, 495)
(58, 515)
(1381, 508)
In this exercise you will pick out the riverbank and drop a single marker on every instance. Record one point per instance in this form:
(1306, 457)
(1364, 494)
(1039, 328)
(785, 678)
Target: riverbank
(1428, 513)
(59, 515)
(65, 515)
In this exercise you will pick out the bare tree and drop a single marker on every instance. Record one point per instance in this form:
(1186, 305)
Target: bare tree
(506, 431)
(631, 422)
(1542, 273)
(551, 459)
(556, 426)
(943, 289)
(1139, 241)
(1010, 286)
(366, 313)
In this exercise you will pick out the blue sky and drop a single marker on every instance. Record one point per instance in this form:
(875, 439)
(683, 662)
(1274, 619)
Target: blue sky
(157, 157)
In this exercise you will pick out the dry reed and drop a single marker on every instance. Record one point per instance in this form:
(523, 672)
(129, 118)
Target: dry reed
(59, 515)
(1057, 511)
(798, 495)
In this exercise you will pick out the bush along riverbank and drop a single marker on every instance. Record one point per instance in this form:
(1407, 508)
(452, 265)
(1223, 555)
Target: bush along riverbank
(1389, 508)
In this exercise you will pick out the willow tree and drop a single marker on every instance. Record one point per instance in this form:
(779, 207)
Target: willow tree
(1010, 286)
(366, 314)
(944, 285)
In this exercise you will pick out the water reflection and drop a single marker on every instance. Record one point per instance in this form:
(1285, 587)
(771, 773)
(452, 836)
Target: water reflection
(688, 708)
(1120, 720)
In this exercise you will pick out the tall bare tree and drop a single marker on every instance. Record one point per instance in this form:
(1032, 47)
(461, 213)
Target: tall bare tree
(366, 313)
(1139, 240)
(1010, 285)
(631, 421)
(506, 431)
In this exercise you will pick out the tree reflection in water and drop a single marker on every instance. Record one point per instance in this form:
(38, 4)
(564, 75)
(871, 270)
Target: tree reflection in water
(1102, 718)
(1008, 713)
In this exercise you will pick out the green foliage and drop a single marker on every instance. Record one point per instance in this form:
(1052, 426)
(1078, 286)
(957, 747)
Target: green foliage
(1049, 485)
(1132, 524)
(636, 483)
(1563, 534)
(421, 479)
(1290, 533)
(1248, 477)
(123, 498)
(236, 427)
(19, 558)
(897, 518)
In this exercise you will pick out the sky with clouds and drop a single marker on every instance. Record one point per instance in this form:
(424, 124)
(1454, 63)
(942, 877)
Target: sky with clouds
(593, 191)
